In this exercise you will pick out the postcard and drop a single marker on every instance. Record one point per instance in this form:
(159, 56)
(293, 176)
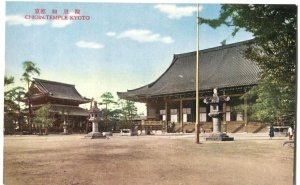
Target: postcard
(149, 93)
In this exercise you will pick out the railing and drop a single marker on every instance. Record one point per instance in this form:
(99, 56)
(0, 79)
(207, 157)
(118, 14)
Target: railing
(153, 122)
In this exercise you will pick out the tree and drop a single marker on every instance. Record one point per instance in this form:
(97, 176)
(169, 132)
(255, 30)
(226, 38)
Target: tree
(44, 118)
(12, 115)
(107, 100)
(30, 69)
(262, 97)
(8, 80)
(274, 28)
(271, 102)
(128, 109)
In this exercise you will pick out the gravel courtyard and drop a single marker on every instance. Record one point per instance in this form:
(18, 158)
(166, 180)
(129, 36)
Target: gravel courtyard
(252, 159)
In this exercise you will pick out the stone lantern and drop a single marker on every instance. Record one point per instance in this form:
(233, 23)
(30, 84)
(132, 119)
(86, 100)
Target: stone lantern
(216, 115)
(95, 116)
(65, 124)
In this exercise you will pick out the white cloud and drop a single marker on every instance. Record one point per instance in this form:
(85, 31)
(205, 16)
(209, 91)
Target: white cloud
(14, 20)
(61, 23)
(89, 45)
(145, 36)
(167, 40)
(111, 34)
(174, 12)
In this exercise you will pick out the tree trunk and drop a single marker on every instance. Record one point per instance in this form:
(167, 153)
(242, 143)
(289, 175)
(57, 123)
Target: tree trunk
(29, 110)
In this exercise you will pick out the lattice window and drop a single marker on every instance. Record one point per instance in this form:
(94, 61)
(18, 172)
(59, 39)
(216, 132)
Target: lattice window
(186, 111)
(162, 112)
(173, 111)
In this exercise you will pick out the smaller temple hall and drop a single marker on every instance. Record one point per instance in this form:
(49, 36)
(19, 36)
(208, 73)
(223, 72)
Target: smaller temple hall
(64, 100)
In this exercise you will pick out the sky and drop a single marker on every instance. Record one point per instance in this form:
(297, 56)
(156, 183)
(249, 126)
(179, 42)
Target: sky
(118, 47)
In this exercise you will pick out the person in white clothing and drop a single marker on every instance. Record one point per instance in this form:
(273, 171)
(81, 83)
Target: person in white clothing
(290, 133)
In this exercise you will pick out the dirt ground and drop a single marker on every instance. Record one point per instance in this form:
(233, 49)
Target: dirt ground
(252, 159)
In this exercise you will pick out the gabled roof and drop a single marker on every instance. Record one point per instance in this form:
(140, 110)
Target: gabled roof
(222, 67)
(58, 90)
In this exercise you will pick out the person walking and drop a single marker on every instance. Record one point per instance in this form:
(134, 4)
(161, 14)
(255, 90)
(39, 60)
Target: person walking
(271, 132)
(290, 133)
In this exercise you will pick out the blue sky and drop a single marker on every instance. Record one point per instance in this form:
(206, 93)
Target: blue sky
(122, 46)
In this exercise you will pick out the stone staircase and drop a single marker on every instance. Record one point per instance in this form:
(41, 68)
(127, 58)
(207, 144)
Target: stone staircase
(257, 128)
(232, 127)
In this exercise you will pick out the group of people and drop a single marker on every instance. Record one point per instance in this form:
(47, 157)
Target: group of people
(290, 132)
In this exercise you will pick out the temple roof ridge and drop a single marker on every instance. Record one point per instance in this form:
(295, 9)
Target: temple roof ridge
(216, 48)
(222, 67)
(53, 82)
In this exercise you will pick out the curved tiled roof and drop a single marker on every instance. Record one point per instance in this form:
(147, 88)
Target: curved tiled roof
(221, 67)
(59, 90)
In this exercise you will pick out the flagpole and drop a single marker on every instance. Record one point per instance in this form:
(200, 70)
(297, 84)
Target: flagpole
(197, 79)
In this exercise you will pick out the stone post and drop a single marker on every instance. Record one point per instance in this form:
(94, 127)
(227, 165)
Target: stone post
(216, 126)
(216, 121)
(224, 117)
(181, 115)
(95, 127)
(65, 126)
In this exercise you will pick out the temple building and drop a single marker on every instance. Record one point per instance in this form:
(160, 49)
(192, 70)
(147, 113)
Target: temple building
(64, 100)
(171, 98)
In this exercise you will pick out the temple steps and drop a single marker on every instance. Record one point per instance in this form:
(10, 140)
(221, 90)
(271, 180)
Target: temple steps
(231, 127)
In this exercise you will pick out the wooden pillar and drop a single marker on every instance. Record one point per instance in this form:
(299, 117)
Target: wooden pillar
(246, 114)
(166, 109)
(181, 115)
(224, 117)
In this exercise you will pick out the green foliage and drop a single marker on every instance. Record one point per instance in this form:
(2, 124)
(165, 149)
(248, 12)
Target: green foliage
(108, 100)
(274, 28)
(271, 102)
(124, 109)
(223, 43)
(115, 114)
(10, 123)
(30, 69)
(129, 110)
(8, 80)
(13, 116)
(43, 117)
(13, 96)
